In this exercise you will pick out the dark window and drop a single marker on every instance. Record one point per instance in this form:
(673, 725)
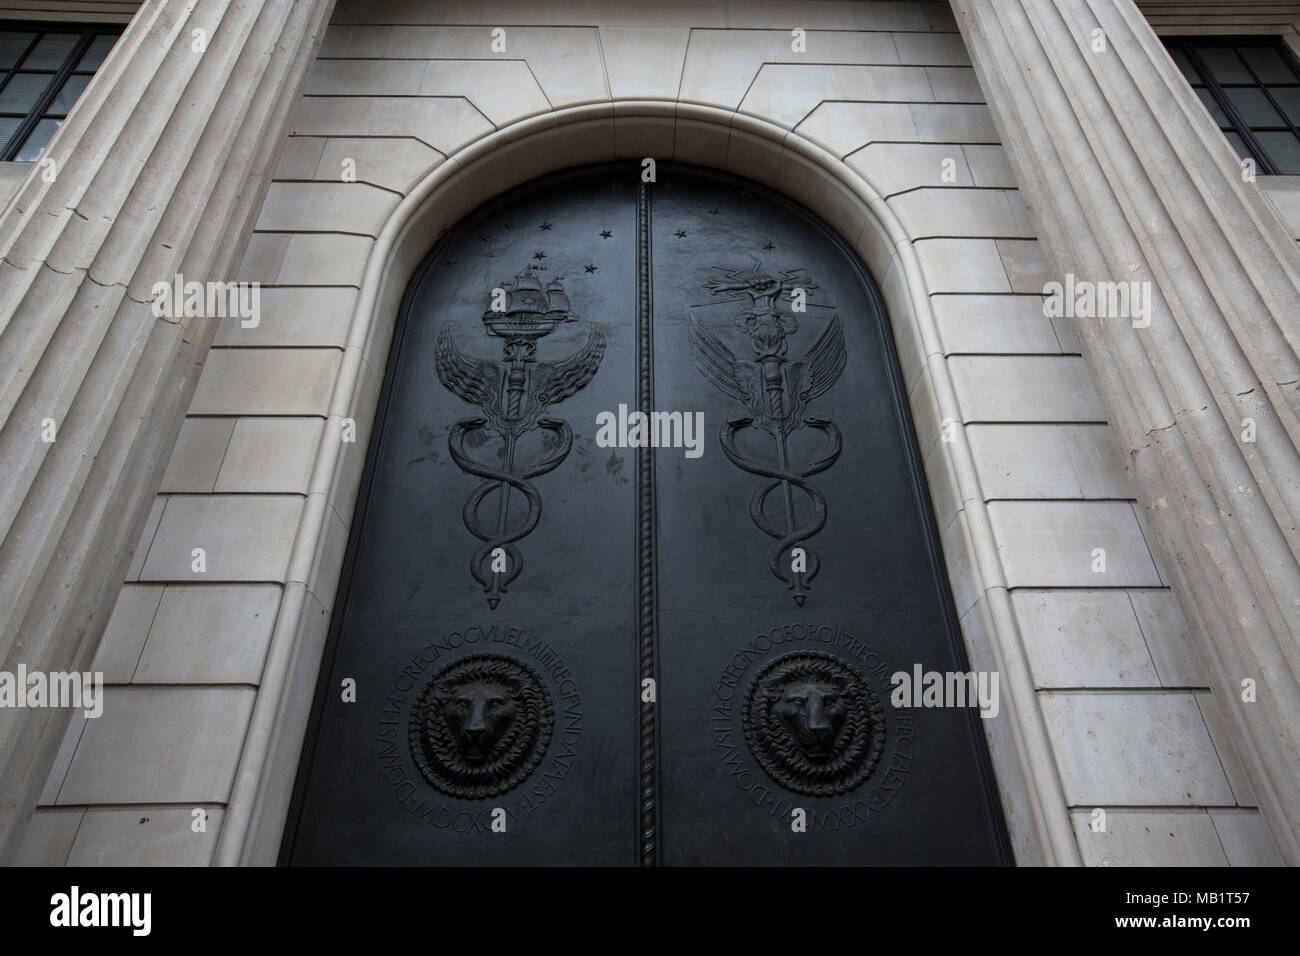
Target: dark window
(1251, 86)
(44, 67)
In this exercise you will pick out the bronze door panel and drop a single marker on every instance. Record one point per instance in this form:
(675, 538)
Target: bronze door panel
(570, 648)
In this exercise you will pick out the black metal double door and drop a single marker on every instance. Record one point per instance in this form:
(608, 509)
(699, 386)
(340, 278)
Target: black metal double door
(641, 541)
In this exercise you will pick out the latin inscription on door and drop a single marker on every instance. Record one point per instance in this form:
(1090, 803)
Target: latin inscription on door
(488, 704)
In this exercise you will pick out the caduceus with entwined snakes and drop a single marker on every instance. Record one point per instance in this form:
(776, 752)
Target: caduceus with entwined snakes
(513, 394)
(776, 393)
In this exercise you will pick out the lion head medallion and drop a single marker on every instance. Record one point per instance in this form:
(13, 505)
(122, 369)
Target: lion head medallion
(481, 726)
(813, 724)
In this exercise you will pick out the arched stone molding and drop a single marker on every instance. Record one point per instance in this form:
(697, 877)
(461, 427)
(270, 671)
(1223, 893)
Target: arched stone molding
(1029, 780)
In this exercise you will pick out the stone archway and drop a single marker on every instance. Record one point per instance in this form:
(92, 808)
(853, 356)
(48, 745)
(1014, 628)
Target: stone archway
(1028, 778)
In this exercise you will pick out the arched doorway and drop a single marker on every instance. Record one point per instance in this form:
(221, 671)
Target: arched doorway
(642, 538)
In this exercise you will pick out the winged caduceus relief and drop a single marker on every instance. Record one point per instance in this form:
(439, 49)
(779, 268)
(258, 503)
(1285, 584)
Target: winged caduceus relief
(776, 393)
(513, 395)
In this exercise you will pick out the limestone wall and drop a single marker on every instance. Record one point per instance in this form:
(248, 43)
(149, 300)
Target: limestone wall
(212, 673)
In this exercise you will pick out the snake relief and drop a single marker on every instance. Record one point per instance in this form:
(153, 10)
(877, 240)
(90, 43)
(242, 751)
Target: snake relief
(776, 392)
(513, 394)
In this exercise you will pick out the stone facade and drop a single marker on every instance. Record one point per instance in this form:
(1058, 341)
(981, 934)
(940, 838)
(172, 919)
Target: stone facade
(1106, 704)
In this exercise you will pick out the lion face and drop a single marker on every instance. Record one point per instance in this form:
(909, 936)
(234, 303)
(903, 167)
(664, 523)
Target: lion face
(478, 714)
(813, 723)
(481, 725)
(814, 711)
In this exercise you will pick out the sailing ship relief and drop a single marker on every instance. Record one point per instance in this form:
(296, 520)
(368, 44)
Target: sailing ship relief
(513, 395)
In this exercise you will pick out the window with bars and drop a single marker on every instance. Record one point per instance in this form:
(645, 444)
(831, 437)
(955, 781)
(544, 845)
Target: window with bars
(43, 69)
(1251, 86)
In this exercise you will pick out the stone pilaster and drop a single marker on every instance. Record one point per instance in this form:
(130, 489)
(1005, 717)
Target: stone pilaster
(1128, 179)
(159, 170)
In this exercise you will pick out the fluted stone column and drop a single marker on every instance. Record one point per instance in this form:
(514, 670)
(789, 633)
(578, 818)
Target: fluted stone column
(1127, 178)
(159, 170)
